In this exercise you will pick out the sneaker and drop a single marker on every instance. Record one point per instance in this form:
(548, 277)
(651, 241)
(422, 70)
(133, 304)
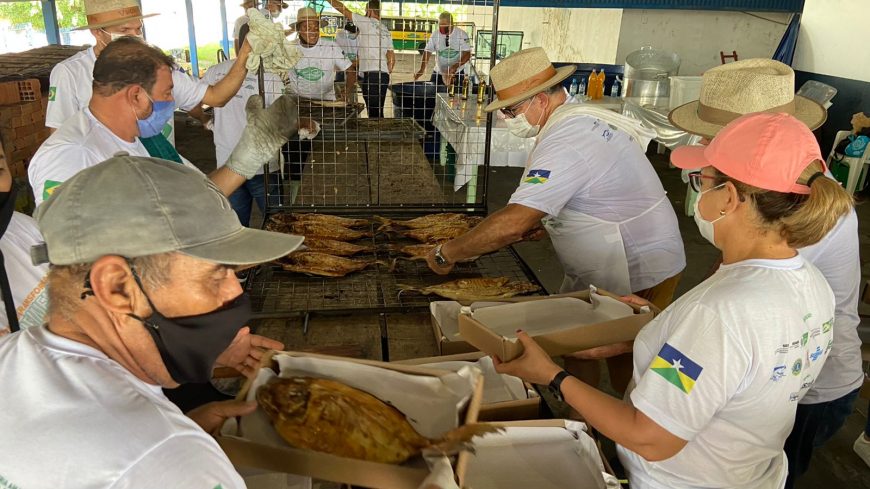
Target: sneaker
(862, 448)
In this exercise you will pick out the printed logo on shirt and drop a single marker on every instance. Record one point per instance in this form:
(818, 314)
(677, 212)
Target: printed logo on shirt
(816, 354)
(537, 176)
(807, 382)
(52, 93)
(830, 344)
(815, 332)
(676, 368)
(827, 326)
(312, 73)
(449, 54)
(607, 135)
(778, 373)
(783, 348)
(48, 188)
(794, 396)
(218, 487)
(350, 56)
(804, 338)
(796, 367)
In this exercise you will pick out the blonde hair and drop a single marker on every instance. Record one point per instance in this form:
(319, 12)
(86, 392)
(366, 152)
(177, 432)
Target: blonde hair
(802, 220)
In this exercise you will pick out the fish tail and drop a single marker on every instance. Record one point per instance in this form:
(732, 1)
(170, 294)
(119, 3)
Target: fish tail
(460, 438)
(386, 224)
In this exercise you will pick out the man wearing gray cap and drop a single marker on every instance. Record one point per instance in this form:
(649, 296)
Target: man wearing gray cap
(142, 295)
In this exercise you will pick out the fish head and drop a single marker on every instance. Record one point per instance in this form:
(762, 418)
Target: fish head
(287, 398)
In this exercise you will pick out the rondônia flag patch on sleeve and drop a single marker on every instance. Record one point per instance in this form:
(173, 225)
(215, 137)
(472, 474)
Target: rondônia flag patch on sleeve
(677, 368)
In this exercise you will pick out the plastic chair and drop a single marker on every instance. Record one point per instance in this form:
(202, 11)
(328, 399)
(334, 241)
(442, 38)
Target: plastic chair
(856, 165)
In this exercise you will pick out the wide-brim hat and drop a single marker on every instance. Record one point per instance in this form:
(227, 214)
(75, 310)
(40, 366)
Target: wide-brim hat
(744, 87)
(306, 14)
(524, 74)
(106, 13)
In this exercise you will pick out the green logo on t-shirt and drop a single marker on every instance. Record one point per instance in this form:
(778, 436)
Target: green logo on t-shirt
(449, 53)
(48, 188)
(52, 93)
(312, 73)
(167, 130)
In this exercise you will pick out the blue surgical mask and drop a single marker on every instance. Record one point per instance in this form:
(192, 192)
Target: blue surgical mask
(161, 112)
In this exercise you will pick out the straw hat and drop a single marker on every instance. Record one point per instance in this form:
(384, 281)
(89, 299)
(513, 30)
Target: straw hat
(524, 74)
(308, 13)
(743, 87)
(106, 13)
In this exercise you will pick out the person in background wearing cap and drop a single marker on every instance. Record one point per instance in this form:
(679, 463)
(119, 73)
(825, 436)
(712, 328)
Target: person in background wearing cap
(273, 8)
(133, 98)
(242, 20)
(764, 85)
(71, 80)
(719, 373)
(142, 295)
(229, 124)
(588, 177)
(22, 284)
(453, 51)
(376, 56)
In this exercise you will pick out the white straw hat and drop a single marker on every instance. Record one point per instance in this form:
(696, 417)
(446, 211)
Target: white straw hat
(524, 74)
(744, 87)
(106, 13)
(308, 13)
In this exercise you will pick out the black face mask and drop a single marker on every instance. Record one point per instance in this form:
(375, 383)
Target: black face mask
(7, 207)
(189, 346)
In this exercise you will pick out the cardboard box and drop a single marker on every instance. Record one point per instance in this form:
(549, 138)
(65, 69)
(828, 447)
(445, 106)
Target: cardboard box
(604, 326)
(255, 455)
(546, 454)
(532, 407)
(445, 327)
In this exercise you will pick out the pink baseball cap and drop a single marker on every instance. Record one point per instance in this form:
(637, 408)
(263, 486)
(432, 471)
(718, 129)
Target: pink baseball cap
(765, 150)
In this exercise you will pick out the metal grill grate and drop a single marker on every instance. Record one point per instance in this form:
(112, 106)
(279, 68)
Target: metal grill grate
(276, 292)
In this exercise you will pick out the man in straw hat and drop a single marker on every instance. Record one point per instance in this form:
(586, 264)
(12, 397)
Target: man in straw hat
(376, 56)
(143, 295)
(763, 85)
(589, 180)
(70, 83)
(313, 77)
(132, 90)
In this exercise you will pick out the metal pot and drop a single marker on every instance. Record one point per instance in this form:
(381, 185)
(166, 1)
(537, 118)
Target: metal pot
(647, 75)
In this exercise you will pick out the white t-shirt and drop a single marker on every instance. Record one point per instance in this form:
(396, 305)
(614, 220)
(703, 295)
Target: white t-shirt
(724, 368)
(230, 120)
(25, 279)
(837, 257)
(83, 421)
(375, 41)
(237, 26)
(81, 142)
(450, 52)
(313, 77)
(600, 171)
(350, 47)
(71, 87)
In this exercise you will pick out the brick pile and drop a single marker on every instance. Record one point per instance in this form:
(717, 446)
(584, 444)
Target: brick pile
(22, 122)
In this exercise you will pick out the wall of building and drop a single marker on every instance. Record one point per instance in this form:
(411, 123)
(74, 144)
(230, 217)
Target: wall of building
(699, 36)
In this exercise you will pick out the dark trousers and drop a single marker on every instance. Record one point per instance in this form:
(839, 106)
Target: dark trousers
(296, 152)
(814, 424)
(374, 88)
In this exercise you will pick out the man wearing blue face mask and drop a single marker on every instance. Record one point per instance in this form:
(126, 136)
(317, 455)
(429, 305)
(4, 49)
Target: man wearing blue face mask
(132, 99)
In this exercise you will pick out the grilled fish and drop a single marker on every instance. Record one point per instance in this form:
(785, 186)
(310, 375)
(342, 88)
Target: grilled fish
(331, 417)
(431, 220)
(419, 251)
(329, 219)
(474, 289)
(314, 263)
(326, 231)
(437, 234)
(336, 248)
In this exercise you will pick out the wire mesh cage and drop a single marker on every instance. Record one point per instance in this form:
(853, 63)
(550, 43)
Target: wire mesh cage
(399, 101)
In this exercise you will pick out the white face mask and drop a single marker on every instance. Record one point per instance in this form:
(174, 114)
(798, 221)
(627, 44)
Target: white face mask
(706, 227)
(519, 126)
(114, 36)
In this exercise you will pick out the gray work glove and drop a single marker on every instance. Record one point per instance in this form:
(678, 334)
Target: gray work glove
(267, 130)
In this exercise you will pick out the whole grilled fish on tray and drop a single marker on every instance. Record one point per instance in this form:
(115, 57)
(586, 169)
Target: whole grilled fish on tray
(333, 247)
(475, 289)
(436, 234)
(431, 220)
(326, 231)
(321, 264)
(330, 219)
(332, 417)
(419, 251)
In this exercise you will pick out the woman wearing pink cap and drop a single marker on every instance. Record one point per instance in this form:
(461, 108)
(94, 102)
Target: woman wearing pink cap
(719, 373)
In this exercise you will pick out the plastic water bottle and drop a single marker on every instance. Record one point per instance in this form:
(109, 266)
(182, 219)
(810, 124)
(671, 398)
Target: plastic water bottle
(582, 88)
(616, 88)
(572, 91)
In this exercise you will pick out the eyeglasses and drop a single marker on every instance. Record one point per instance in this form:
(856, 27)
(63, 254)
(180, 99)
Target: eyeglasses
(695, 179)
(511, 111)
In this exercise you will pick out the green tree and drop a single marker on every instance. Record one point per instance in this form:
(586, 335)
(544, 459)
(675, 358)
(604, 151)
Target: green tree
(70, 13)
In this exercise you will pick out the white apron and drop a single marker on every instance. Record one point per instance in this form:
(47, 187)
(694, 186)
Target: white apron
(590, 249)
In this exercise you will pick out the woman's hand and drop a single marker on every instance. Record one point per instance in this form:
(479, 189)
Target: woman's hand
(534, 365)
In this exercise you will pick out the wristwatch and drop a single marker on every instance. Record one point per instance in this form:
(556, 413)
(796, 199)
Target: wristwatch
(439, 258)
(555, 386)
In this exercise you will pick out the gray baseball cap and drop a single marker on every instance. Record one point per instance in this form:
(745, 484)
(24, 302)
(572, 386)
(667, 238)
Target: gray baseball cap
(135, 206)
